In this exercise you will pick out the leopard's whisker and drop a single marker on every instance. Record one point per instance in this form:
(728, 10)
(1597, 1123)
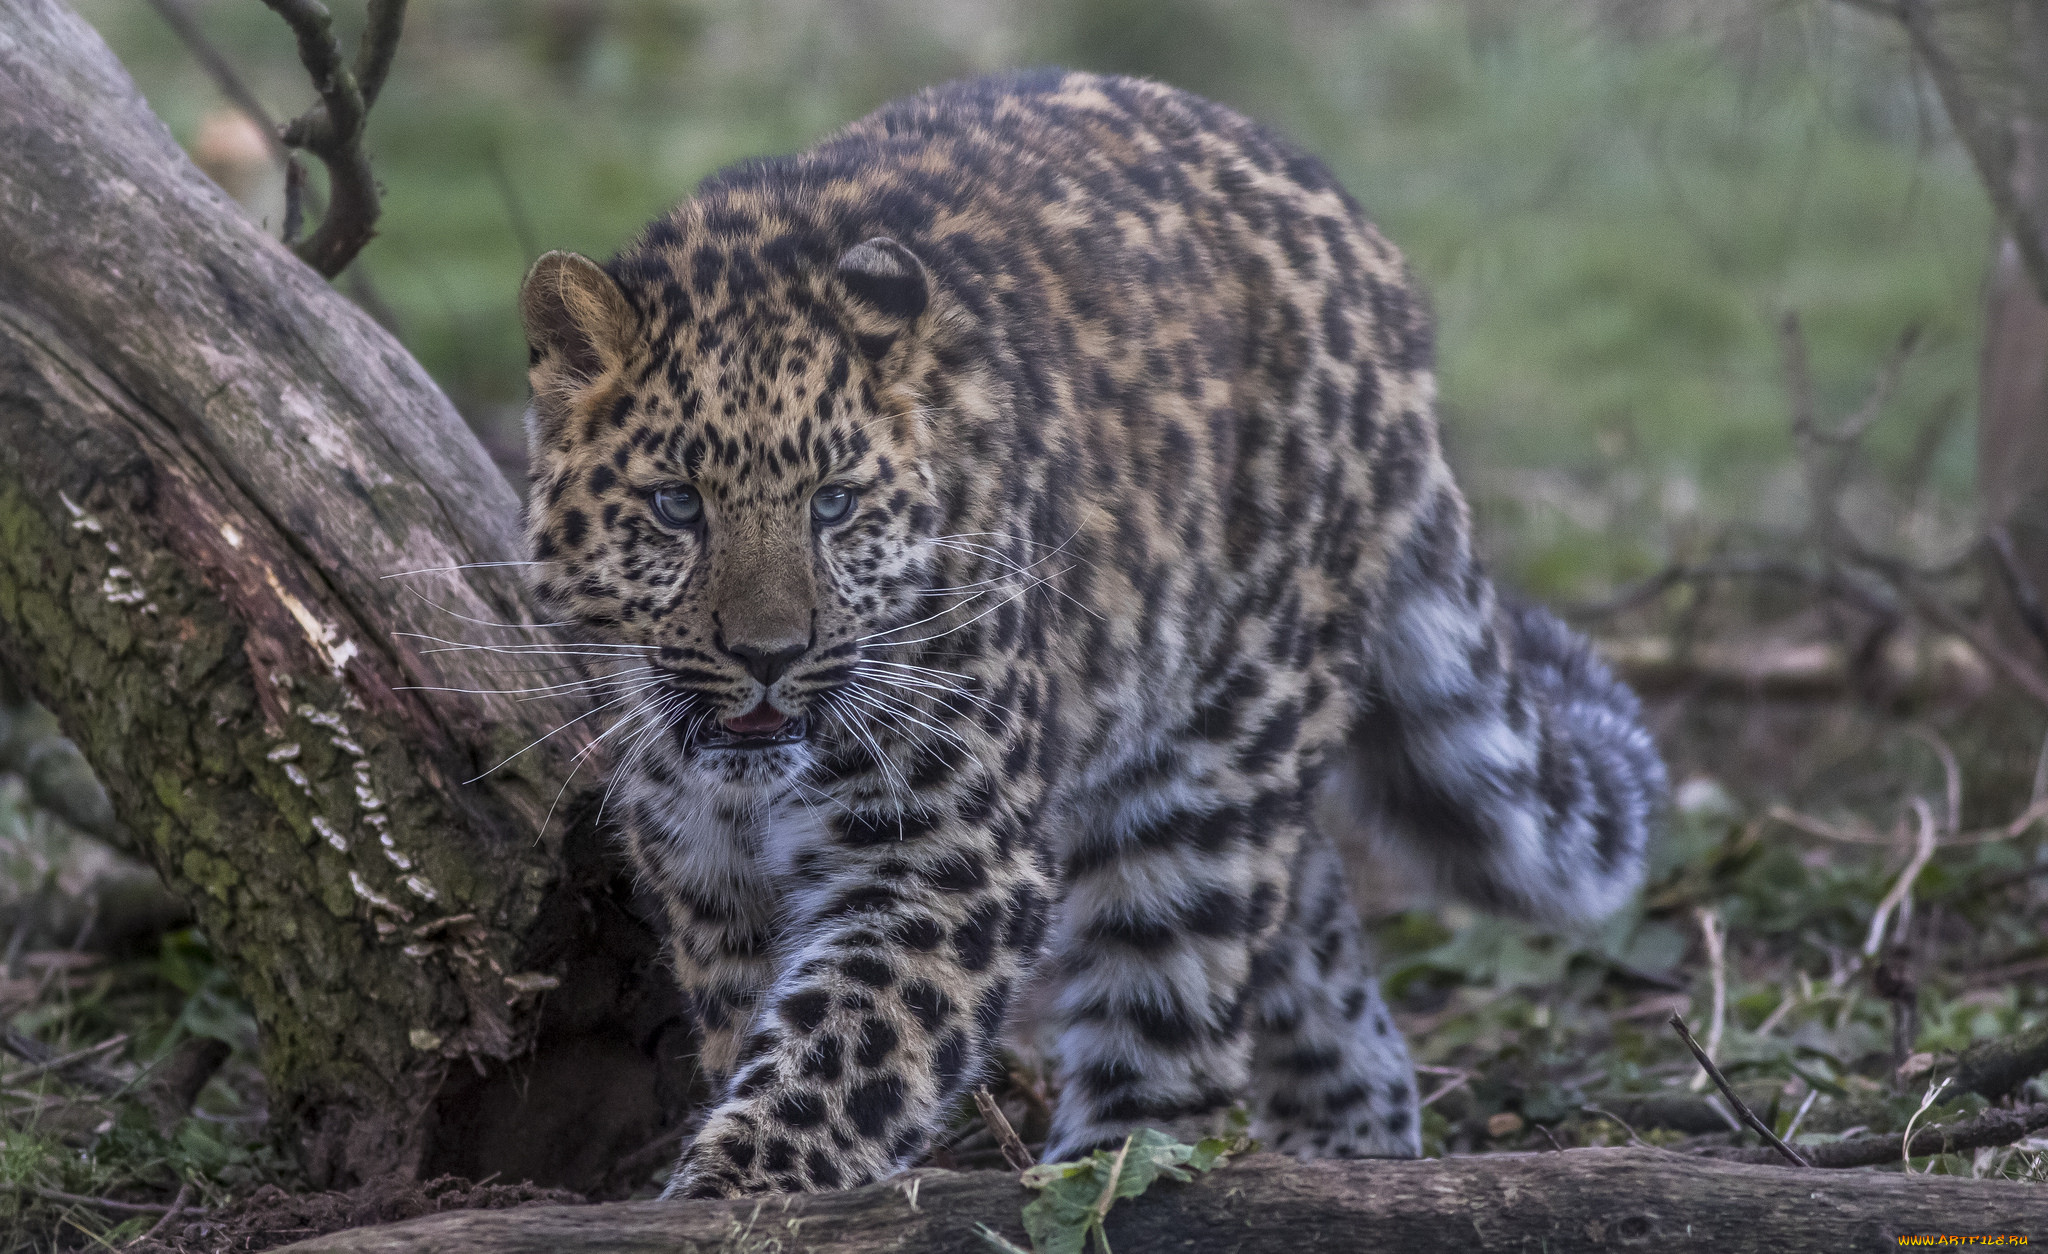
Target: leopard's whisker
(922, 621)
(576, 763)
(669, 712)
(443, 570)
(936, 690)
(558, 731)
(903, 710)
(894, 644)
(893, 784)
(572, 685)
(598, 688)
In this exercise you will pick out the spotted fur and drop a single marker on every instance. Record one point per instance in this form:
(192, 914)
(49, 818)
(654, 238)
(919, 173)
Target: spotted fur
(1152, 540)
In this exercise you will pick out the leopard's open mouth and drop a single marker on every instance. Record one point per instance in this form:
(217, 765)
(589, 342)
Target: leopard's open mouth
(763, 727)
(791, 732)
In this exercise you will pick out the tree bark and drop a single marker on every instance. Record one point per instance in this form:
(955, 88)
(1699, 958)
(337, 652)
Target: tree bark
(1591, 1199)
(211, 466)
(2012, 426)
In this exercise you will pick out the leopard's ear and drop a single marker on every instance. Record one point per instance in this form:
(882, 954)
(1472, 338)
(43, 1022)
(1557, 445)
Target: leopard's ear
(579, 325)
(888, 291)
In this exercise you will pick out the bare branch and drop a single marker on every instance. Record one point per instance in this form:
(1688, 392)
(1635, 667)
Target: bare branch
(332, 130)
(380, 44)
(1728, 1091)
(1900, 896)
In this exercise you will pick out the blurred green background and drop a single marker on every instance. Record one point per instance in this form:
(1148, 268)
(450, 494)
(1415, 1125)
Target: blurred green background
(1612, 203)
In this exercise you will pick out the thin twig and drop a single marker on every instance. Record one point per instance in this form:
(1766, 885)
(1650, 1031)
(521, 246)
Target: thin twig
(104, 1203)
(1006, 1136)
(1728, 1091)
(1901, 890)
(1625, 1125)
(1458, 1079)
(1717, 970)
(177, 1204)
(63, 1062)
(1991, 146)
(1799, 1117)
(1108, 1199)
(1826, 831)
(515, 208)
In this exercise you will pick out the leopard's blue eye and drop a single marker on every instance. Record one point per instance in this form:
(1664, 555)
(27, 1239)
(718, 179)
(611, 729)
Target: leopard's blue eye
(678, 505)
(832, 503)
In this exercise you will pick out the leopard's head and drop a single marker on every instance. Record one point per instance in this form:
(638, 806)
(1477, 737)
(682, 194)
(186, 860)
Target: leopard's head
(729, 482)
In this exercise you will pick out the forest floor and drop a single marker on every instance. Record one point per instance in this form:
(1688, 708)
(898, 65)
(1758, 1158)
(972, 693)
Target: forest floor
(1755, 926)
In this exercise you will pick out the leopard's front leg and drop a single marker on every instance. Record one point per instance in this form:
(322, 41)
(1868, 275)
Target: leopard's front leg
(905, 950)
(721, 919)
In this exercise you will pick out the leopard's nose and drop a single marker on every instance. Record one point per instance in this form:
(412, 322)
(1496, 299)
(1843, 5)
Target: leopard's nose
(767, 663)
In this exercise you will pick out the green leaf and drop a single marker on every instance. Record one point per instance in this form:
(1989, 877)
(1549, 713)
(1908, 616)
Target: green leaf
(1073, 1198)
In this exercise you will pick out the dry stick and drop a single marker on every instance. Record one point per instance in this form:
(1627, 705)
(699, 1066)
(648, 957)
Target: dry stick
(65, 1062)
(1799, 1117)
(1625, 1125)
(177, 1204)
(1717, 964)
(1728, 1091)
(104, 1203)
(1824, 460)
(1922, 851)
(1457, 1079)
(515, 208)
(1108, 1198)
(1006, 1136)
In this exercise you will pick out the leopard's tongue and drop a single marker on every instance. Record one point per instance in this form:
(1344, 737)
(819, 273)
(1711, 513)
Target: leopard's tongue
(759, 721)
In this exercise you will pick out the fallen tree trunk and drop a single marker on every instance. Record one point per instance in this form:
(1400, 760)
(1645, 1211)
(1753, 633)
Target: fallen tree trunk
(211, 464)
(1574, 1200)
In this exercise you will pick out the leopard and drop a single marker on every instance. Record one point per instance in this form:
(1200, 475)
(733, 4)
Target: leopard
(1022, 532)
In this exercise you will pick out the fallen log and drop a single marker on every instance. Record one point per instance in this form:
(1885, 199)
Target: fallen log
(1590, 1199)
(1993, 1127)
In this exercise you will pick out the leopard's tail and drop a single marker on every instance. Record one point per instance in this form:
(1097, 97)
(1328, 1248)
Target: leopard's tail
(1496, 745)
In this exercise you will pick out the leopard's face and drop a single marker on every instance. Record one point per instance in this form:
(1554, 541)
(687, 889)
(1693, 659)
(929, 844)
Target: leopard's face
(728, 496)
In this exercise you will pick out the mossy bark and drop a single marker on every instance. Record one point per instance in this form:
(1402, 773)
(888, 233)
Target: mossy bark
(211, 464)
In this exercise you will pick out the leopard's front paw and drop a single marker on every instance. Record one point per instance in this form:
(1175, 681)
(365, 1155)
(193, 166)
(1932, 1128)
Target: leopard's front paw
(742, 1154)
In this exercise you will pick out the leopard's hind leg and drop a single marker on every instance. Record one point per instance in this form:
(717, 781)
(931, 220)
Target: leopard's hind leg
(1331, 1076)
